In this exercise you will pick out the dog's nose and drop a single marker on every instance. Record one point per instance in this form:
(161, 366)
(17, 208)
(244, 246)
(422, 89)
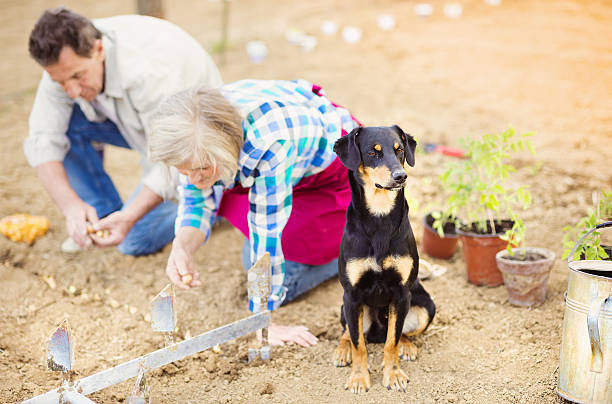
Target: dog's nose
(399, 176)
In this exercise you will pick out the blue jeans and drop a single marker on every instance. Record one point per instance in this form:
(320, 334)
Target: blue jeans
(85, 172)
(299, 278)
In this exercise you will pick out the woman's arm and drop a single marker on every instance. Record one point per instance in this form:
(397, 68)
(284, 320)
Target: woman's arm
(196, 212)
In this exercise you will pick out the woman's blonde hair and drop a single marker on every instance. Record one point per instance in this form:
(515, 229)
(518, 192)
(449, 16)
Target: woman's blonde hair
(197, 126)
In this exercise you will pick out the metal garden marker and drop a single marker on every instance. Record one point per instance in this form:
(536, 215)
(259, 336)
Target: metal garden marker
(59, 359)
(59, 349)
(259, 286)
(163, 315)
(141, 393)
(163, 319)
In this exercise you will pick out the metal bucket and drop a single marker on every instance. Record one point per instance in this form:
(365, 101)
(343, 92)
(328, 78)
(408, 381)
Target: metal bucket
(585, 365)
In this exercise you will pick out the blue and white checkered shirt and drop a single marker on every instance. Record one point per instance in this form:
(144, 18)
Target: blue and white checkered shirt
(289, 133)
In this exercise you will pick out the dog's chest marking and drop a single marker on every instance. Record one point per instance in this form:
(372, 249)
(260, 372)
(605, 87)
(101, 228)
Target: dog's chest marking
(378, 201)
(402, 264)
(355, 268)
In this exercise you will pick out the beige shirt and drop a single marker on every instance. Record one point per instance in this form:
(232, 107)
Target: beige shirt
(146, 60)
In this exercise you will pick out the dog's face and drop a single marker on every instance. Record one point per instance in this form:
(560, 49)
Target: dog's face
(378, 154)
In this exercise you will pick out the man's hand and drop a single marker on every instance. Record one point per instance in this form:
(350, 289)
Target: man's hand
(53, 177)
(279, 334)
(118, 225)
(180, 263)
(77, 215)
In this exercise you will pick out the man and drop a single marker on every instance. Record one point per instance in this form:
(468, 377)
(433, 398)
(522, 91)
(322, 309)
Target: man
(101, 83)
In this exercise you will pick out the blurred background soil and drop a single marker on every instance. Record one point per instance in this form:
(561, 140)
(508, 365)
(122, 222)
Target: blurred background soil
(543, 66)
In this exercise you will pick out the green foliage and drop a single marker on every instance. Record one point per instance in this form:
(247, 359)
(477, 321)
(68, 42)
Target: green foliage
(441, 218)
(590, 246)
(479, 187)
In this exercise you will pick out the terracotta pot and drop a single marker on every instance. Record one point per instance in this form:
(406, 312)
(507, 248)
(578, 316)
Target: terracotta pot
(526, 281)
(436, 246)
(479, 251)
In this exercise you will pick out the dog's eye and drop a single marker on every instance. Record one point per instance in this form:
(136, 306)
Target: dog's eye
(372, 154)
(399, 150)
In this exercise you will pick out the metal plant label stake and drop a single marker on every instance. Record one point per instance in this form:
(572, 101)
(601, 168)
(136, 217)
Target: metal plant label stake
(259, 281)
(59, 349)
(60, 357)
(163, 315)
(163, 319)
(141, 392)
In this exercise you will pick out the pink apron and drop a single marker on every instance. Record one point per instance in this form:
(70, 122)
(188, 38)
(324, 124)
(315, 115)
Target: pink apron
(318, 214)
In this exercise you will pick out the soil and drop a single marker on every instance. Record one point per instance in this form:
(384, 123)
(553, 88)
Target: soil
(530, 256)
(540, 66)
(475, 229)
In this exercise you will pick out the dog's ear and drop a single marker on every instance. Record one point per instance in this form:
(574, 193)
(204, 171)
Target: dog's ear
(348, 151)
(409, 145)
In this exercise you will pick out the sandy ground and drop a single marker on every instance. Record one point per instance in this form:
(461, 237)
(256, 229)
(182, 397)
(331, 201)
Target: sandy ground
(543, 66)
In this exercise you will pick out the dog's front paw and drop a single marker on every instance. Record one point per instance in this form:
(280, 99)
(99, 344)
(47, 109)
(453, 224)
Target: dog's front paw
(406, 349)
(343, 354)
(395, 378)
(359, 382)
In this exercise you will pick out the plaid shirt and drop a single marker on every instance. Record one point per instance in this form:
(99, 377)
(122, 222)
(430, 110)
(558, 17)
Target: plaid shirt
(289, 133)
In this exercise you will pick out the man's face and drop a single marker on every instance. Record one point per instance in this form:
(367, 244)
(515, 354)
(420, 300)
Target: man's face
(79, 76)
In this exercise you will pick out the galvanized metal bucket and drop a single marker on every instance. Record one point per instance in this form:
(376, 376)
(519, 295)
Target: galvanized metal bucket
(585, 365)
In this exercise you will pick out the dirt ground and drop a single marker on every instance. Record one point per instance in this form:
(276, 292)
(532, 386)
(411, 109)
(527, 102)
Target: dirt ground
(543, 66)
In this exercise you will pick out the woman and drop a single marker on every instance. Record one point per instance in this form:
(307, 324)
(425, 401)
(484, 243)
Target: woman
(258, 153)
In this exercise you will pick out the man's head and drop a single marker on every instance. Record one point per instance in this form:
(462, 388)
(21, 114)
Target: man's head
(69, 48)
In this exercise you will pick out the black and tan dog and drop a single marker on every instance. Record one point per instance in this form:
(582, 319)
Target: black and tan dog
(379, 263)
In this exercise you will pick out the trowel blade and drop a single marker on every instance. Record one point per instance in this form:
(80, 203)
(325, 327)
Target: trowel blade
(59, 349)
(259, 279)
(163, 316)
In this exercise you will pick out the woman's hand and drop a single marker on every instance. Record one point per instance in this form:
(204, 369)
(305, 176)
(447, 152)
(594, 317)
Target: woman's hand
(279, 334)
(180, 263)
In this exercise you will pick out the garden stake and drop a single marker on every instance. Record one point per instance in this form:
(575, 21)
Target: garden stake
(161, 357)
(59, 359)
(59, 349)
(141, 392)
(163, 319)
(259, 279)
(163, 315)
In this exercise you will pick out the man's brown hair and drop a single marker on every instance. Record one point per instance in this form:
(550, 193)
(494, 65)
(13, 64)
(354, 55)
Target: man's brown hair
(61, 27)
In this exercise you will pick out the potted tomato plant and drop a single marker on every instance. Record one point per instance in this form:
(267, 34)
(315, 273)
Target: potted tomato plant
(481, 190)
(440, 236)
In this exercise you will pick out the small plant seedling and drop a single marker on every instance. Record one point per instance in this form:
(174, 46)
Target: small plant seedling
(480, 188)
(590, 248)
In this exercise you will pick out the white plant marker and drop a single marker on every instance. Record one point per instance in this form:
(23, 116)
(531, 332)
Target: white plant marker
(259, 279)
